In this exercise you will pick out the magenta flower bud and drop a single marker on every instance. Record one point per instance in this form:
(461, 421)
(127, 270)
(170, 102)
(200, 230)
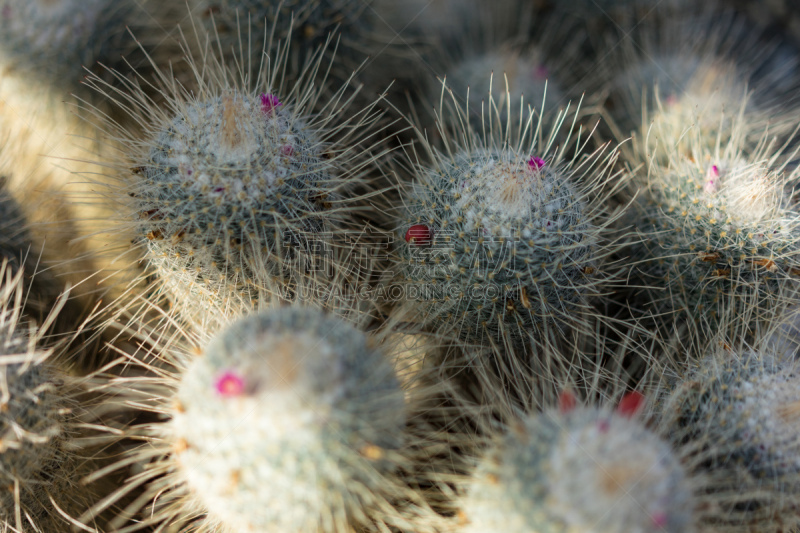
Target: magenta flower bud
(269, 102)
(230, 384)
(536, 163)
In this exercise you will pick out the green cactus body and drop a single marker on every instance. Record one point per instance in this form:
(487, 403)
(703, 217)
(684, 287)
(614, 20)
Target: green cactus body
(283, 422)
(739, 412)
(719, 242)
(231, 189)
(499, 242)
(585, 470)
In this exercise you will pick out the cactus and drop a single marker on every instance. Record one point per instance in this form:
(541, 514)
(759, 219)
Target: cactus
(321, 406)
(579, 469)
(691, 80)
(292, 396)
(718, 240)
(233, 192)
(503, 239)
(51, 431)
(737, 411)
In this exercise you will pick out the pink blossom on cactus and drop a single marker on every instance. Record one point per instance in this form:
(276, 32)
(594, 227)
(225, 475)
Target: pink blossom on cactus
(230, 384)
(536, 163)
(269, 102)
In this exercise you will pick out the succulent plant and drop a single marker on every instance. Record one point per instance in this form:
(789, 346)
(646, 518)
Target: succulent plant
(718, 240)
(737, 411)
(503, 239)
(319, 408)
(239, 196)
(579, 469)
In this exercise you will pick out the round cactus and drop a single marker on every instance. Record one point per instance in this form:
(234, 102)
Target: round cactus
(233, 187)
(738, 411)
(45, 416)
(502, 240)
(718, 241)
(239, 196)
(295, 398)
(579, 469)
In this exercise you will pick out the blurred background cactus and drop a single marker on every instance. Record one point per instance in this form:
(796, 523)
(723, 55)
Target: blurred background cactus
(340, 266)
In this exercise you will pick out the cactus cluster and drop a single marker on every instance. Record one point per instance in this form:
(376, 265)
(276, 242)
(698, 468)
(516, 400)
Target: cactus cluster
(296, 299)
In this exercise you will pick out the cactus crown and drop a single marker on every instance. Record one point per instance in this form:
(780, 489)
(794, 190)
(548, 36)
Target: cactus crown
(722, 235)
